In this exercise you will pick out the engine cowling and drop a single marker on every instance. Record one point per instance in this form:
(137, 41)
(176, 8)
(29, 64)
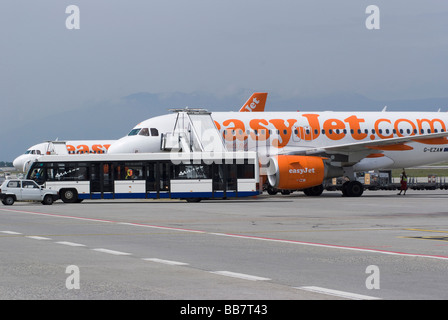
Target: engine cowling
(295, 172)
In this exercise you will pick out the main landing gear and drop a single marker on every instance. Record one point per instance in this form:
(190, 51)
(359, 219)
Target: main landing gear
(352, 189)
(349, 189)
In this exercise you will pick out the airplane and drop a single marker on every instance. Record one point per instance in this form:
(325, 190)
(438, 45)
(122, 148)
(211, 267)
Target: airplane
(255, 103)
(299, 150)
(22, 162)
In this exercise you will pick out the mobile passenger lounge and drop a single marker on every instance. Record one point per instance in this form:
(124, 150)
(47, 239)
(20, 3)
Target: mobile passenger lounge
(175, 175)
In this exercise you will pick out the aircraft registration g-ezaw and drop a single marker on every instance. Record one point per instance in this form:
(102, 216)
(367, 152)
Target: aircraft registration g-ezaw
(255, 103)
(299, 150)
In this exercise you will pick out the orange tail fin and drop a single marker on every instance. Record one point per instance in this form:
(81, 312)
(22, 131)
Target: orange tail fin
(255, 103)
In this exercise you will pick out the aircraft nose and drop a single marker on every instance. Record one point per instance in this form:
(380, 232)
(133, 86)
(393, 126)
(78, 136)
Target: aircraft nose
(18, 163)
(119, 147)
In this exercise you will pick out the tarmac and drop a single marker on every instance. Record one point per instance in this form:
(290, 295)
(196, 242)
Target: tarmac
(294, 247)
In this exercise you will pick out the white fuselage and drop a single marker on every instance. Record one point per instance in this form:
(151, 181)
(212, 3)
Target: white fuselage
(72, 146)
(272, 133)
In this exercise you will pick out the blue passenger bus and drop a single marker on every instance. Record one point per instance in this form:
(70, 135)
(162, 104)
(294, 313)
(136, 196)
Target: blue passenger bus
(189, 176)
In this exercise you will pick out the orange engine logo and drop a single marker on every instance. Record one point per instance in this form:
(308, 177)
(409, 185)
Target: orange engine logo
(295, 172)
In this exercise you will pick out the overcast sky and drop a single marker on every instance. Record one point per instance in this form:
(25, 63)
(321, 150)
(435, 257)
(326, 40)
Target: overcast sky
(286, 47)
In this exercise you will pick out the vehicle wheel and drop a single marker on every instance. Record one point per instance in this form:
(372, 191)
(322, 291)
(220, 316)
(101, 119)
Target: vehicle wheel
(69, 195)
(272, 191)
(314, 191)
(8, 201)
(285, 192)
(354, 189)
(48, 200)
(344, 189)
(193, 199)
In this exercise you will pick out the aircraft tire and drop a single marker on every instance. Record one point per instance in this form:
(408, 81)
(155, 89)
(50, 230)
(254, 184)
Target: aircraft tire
(272, 191)
(314, 191)
(353, 189)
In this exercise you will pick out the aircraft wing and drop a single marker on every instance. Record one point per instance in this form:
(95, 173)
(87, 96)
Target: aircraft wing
(354, 152)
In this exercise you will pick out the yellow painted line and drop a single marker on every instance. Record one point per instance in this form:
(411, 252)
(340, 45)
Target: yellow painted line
(427, 238)
(426, 230)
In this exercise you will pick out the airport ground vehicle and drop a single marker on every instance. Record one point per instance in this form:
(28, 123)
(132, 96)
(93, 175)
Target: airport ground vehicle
(26, 190)
(190, 176)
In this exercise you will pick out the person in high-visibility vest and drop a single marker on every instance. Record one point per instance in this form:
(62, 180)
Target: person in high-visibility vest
(404, 183)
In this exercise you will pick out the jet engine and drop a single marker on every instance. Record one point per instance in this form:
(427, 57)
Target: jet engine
(295, 172)
(292, 172)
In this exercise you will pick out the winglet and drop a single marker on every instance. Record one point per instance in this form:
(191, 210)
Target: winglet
(255, 103)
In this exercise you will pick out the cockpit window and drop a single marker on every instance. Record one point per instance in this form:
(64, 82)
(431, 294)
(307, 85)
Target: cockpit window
(144, 132)
(134, 132)
(154, 132)
(32, 152)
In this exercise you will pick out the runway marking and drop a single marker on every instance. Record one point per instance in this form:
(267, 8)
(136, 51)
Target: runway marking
(337, 293)
(321, 245)
(331, 246)
(37, 238)
(172, 263)
(425, 230)
(72, 244)
(428, 238)
(10, 232)
(117, 253)
(240, 275)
